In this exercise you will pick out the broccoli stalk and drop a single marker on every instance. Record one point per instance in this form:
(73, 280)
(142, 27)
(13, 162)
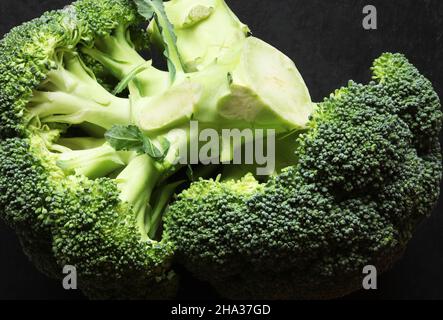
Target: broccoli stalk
(117, 53)
(93, 163)
(255, 87)
(70, 94)
(136, 184)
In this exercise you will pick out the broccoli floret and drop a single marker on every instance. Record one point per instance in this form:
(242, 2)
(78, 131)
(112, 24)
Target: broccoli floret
(358, 190)
(26, 57)
(415, 100)
(101, 230)
(92, 163)
(70, 94)
(209, 215)
(24, 193)
(114, 27)
(58, 193)
(353, 145)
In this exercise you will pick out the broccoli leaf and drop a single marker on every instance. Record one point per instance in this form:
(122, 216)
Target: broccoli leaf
(144, 8)
(123, 84)
(150, 149)
(130, 138)
(155, 9)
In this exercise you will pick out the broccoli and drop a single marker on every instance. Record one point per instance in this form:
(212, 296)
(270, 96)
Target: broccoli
(60, 200)
(368, 171)
(92, 134)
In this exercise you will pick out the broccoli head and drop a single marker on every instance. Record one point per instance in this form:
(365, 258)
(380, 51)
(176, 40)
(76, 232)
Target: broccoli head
(362, 182)
(91, 131)
(57, 192)
(93, 134)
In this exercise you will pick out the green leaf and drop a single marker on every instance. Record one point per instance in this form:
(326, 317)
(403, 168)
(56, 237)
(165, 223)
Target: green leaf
(144, 9)
(165, 144)
(125, 138)
(156, 9)
(130, 138)
(151, 150)
(123, 84)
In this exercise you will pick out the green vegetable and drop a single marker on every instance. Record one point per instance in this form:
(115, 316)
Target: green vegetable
(368, 171)
(156, 9)
(92, 138)
(131, 138)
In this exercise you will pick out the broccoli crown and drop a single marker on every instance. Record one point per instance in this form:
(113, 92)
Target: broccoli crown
(107, 233)
(359, 188)
(24, 193)
(26, 56)
(62, 201)
(415, 100)
(101, 18)
(91, 134)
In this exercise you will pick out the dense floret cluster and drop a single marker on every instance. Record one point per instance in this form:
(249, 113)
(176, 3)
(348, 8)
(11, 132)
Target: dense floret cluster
(363, 181)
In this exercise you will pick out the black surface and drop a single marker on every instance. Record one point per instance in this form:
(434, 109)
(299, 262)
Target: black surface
(329, 46)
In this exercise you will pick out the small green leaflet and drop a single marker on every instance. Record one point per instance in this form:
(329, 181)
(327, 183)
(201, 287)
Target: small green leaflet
(165, 144)
(123, 84)
(155, 8)
(155, 153)
(144, 8)
(130, 138)
(123, 138)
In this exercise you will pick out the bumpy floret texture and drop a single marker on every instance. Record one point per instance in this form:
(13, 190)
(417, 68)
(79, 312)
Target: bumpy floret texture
(367, 174)
(109, 239)
(415, 100)
(25, 59)
(25, 191)
(68, 219)
(102, 17)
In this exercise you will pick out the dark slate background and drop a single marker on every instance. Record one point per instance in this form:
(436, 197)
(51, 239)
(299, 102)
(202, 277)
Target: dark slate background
(329, 46)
